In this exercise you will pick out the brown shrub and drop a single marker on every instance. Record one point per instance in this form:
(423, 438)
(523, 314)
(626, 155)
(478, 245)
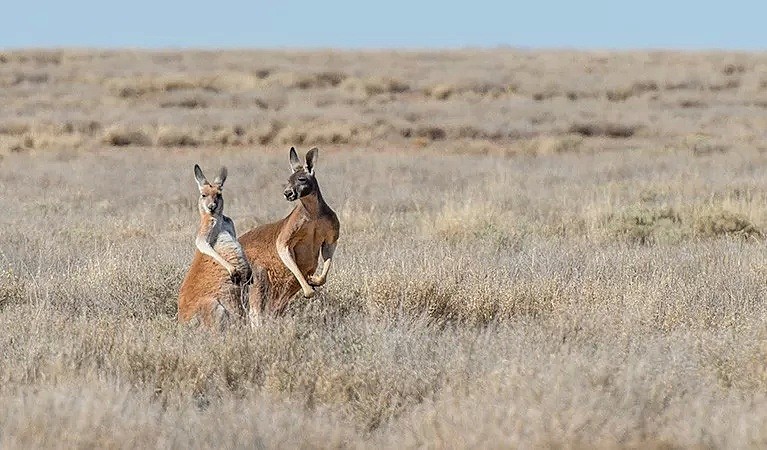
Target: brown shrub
(303, 81)
(290, 135)
(646, 225)
(548, 145)
(14, 128)
(18, 78)
(232, 81)
(732, 69)
(493, 90)
(172, 137)
(86, 127)
(263, 73)
(577, 95)
(636, 89)
(721, 223)
(430, 132)
(612, 130)
(704, 145)
(645, 86)
(188, 103)
(619, 95)
(230, 135)
(325, 79)
(121, 136)
(138, 87)
(725, 85)
(471, 132)
(368, 87)
(683, 85)
(692, 103)
(331, 133)
(38, 57)
(548, 93)
(440, 91)
(266, 133)
(444, 91)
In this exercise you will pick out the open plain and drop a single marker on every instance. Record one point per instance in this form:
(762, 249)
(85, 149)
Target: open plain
(538, 249)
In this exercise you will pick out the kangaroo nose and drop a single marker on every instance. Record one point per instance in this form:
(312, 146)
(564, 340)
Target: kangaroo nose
(288, 193)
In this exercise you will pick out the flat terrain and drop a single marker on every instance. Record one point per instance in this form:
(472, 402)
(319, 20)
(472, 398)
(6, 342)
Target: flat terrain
(538, 249)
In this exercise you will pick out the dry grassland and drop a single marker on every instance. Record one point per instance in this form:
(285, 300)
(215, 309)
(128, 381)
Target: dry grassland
(538, 249)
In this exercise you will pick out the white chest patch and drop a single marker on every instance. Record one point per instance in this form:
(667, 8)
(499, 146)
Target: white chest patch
(225, 241)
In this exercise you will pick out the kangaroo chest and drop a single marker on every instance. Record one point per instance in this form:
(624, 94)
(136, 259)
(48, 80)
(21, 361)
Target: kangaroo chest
(306, 246)
(225, 241)
(229, 248)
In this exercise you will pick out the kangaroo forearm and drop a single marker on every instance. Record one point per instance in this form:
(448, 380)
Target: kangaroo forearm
(204, 247)
(327, 252)
(287, 259)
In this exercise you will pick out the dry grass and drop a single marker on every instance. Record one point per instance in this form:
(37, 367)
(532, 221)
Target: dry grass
(378, 99)
(548, 283)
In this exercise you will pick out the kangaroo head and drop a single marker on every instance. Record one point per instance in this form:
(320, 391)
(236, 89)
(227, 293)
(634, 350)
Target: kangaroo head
(301, 181)
(211, 199)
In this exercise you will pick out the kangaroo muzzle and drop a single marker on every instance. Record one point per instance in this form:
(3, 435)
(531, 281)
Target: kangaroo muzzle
(290, 194)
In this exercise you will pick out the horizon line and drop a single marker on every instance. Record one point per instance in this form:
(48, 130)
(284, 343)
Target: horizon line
(382, 49)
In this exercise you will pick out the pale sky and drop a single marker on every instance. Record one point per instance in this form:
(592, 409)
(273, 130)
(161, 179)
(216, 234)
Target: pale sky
(586, 24)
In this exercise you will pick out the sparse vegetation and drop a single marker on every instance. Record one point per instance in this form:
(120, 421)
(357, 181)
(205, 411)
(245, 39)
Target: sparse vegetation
(648, 225)
(726, 223)
(171, 137)
(551, 145)
(570, 272)
(371, 86)
(121, 136)
(366, 98)
(636, 89)
(598, 129)
(701, 144)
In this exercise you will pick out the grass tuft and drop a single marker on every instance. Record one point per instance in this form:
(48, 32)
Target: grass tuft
(723, 223)
(121, 136)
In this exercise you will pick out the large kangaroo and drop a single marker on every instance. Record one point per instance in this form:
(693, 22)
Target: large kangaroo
(288, 250)
(215, 288)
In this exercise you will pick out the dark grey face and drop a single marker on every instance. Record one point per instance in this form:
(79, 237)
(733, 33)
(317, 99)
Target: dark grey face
(300, 184)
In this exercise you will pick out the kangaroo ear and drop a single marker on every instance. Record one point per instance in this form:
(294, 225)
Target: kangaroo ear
(201, 180)
(295, 163)
(221, 177)
(311, 159)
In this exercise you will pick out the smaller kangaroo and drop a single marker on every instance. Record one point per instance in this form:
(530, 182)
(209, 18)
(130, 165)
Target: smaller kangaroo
(286, 251)
(208, 292)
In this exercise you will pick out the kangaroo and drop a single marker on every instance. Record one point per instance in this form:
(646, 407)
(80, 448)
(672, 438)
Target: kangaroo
(215, 290)
(287, 251)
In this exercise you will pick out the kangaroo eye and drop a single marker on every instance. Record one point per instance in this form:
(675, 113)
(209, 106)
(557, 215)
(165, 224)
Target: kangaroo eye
(303, 180)
(204, 195)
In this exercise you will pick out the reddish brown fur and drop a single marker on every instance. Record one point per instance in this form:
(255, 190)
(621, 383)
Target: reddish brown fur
(208, 294)
(311, 224)
(209, 291)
